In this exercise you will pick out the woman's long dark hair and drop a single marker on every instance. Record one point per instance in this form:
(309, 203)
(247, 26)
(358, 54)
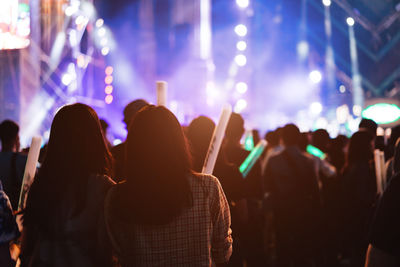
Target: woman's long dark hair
(360, 148)
(76, 150)
(157, 168)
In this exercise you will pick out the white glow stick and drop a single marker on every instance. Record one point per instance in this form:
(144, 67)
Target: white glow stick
(216, 140)
(378, 171)
(383, 169)
(30, 170)
(161, 87)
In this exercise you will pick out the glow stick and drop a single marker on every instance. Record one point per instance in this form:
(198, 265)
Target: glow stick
(378, 171)
(383, 169)
(161, 87)
(315, 152)
(216, 140)
(30, 170)
(251, 159)
(248, 141)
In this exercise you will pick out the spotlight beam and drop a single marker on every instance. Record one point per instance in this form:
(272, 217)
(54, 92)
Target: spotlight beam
(358, 94)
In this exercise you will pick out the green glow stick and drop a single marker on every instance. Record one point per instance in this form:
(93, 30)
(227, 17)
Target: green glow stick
(315, 152)
(249, 142)
(251, 159)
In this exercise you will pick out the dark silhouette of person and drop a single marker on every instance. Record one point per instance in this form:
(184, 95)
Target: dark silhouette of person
(290, 180)
(384, 236)
(12, 163)
(8, 229)
(368, 125)
(118, 151)
(390, 151)
(359, 194)
(273, 148)
(252, 189)
(199, 134)
(64, 220)
(164, 214)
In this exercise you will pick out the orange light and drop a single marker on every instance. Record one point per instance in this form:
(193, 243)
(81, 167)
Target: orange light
(109, 89)
(108, 79)
(109, 99)
(109, 70)
(80, 61)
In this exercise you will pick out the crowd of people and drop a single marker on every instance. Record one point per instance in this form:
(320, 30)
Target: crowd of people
(145, 201)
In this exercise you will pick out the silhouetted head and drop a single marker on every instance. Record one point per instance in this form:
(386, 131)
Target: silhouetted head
(9, 136)
(321, 139)
(76, 142)
(199, 134)
(157, 166)
(272, 138)
(290, 135)
(368, 125)
(235, 128)
(360, 148)
(132, 108)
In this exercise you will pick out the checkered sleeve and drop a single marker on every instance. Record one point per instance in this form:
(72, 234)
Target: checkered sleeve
(221, 244)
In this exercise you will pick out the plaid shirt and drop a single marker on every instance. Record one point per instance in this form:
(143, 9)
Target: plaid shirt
(197, 237)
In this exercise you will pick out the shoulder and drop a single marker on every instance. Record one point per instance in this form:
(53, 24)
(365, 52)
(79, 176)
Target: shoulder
(205, 184)
(206, 179)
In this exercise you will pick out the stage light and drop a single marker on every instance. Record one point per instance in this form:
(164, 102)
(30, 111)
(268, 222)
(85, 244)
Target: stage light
(109, 89)
(315, 108)
(109, 70)
(242, 3)
(105, 51)
(66, 79)
(79, 20)
(326, 2)
(70, 10)
(101, 32)
(241, 60)
(350, 21)
(108, 80)
(117, 142)
(382, 113)
(241, 30)
(302, 49)
(241, 104)
(103, 42)
(315, 76)
(342, 114)
(241, 87)
(241, 45)
(109, 99)
(357, 110)
(342, 89)
(99, 23)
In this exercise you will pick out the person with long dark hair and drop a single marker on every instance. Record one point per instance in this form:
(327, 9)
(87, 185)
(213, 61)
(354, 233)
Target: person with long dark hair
(165, 214)
(384, 236)
(359, 195)
(63, 221)
(12, 162)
